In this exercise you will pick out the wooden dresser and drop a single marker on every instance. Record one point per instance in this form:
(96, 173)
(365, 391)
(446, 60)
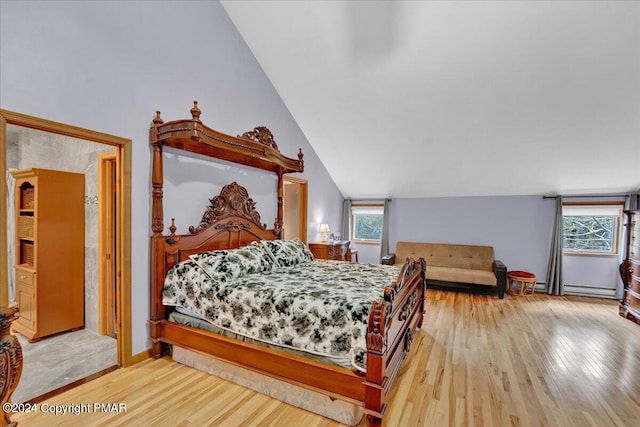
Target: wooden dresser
(49, 239)
(336, 250)
(630, 268)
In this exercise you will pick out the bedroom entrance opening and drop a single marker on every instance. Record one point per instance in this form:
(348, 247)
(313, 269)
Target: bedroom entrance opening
(295, 208)
(105, 161)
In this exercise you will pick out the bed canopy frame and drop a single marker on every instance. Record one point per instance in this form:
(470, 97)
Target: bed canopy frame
(256, 148)
(232, 221)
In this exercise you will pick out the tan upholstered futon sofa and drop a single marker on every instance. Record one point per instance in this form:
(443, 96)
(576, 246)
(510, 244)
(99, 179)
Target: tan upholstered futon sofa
(459, 266)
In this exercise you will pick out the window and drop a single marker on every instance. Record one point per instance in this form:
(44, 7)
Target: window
(591, 229)
(366, 223)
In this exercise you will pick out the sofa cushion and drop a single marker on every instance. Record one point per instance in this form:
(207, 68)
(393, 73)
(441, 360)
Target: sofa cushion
(447, 255)
(461, 275)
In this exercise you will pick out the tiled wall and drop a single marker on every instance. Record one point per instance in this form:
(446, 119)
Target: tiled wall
(35, 149)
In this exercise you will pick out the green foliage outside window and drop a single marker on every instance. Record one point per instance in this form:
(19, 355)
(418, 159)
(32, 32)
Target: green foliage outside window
(367, 226)
(588, 233)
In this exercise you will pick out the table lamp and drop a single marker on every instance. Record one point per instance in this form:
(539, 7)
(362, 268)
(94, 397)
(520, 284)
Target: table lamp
(324, 231)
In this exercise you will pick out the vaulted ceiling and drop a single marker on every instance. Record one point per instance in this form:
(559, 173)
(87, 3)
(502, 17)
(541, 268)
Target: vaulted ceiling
(447, 98)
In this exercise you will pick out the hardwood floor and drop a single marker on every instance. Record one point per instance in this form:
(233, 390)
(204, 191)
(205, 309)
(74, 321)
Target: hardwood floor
(479, 361)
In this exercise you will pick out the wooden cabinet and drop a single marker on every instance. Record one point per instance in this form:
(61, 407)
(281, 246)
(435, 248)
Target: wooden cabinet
(630, 268)
(49, 264)
(335, 250)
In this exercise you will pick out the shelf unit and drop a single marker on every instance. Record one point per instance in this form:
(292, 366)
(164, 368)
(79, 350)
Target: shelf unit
(49, 264)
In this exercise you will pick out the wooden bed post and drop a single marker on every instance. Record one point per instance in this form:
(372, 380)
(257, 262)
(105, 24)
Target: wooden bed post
(375, 405)
(157, 214)
(280, 217)
(156, 309)
(156, 272)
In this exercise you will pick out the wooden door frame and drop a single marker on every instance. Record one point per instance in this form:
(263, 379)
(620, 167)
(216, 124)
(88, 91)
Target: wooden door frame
(123, 257)
(304, 191)
(107, 227)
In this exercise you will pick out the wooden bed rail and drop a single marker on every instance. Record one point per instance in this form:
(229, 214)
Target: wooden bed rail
(391, 328)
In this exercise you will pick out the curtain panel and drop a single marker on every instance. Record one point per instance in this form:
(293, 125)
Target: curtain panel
(634, 202)
(384, 242)
(346, 219)
(554, 269)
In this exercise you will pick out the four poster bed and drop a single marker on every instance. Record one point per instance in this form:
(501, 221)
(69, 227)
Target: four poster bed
(391, 304)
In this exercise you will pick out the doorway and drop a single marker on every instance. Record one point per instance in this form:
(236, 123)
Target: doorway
(119, 162)
(295, 208)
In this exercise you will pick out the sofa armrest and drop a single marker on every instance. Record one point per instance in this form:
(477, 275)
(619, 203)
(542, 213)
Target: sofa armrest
(500, 270)
(389, 259)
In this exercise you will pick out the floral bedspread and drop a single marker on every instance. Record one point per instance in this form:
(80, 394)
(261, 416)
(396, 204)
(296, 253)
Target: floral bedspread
(320, 307)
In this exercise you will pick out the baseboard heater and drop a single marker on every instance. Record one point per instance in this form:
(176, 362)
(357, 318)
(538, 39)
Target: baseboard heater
(590, 291)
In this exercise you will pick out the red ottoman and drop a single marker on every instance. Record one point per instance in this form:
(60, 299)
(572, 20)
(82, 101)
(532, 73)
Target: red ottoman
(527, 282)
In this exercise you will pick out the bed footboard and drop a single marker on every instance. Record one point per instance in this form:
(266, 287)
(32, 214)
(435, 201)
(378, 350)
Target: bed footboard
(393, 322)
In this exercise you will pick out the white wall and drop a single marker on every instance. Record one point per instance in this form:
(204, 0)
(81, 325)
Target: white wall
(108, 66)
(367, 253)
(592, 272)
(518, 227)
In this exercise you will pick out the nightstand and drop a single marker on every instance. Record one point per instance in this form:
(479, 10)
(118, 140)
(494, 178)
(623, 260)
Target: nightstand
(336, 250)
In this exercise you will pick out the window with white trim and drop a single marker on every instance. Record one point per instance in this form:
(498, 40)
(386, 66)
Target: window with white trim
(591, 229)
(366, 223)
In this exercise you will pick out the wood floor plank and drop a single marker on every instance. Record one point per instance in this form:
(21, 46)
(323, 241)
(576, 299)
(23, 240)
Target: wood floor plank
(478, 361)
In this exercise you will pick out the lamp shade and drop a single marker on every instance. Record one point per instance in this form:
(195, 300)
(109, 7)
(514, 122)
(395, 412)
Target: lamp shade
(324, 228)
